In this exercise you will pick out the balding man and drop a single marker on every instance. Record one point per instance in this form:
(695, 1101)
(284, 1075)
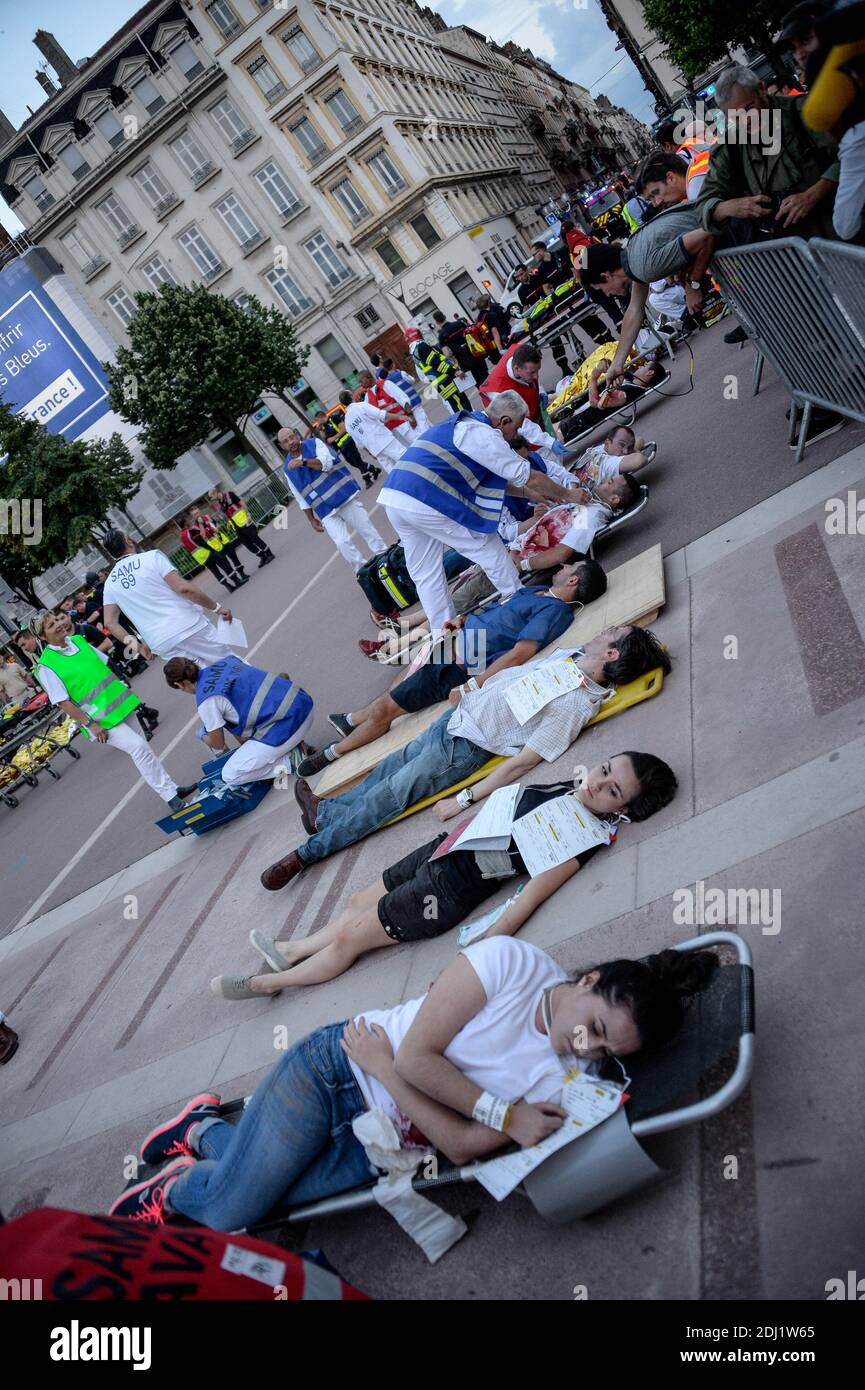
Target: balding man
(328, 495)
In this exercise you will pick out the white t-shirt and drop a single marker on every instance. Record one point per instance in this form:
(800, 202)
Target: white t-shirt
(481, 443)
(587, 521)
(596, 465)
(217, 711)
(325, 458)
(365, 424)
(137, 586)
(51, 682)
(501, 1048)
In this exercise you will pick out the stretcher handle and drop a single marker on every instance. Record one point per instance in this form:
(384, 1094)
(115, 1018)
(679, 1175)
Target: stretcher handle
(735, 1085)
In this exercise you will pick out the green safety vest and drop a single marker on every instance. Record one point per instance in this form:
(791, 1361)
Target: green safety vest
(91, 685)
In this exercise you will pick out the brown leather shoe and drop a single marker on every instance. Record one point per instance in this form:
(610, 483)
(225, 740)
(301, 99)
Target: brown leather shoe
(308, 803)
(8, 1043)
(280, 874)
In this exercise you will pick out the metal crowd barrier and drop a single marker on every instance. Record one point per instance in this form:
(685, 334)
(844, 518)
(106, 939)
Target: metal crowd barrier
(803, 305)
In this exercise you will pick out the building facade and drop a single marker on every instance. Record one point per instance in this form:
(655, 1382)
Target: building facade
(353, 163)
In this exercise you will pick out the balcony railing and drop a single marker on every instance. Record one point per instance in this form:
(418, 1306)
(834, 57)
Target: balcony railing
(93, 267)
(212, 274)
(131, 234)
(164, 206)
(253, 241)
(317, 155)
(351, 127)
(44, 200)
(241, 141)
(203, 172)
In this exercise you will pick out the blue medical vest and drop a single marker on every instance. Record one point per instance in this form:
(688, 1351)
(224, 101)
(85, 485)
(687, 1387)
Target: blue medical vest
(269, 708)
(408, 384)
(324, 491)
(436, 472)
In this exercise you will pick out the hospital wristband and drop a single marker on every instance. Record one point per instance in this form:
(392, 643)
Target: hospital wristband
(492, 1111)
(526, 565)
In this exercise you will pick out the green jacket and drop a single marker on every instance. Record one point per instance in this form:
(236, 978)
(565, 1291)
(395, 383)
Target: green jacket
(737, 170)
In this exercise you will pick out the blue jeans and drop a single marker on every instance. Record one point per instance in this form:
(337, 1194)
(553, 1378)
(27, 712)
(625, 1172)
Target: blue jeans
(293, 1144)
(430, 763)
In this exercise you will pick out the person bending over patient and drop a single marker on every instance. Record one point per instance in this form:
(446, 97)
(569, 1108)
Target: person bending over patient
(396, 907)
(477, 1062)
(502, 636)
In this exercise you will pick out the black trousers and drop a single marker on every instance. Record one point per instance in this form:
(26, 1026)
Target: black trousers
(218, 565)
(352, 455)
(248, 536)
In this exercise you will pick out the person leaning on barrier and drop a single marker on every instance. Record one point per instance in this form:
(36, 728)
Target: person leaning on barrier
(772, 176)
(673, 243)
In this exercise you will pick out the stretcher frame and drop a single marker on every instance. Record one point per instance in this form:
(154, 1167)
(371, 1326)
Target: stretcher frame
(617, 416)
(610, 1162)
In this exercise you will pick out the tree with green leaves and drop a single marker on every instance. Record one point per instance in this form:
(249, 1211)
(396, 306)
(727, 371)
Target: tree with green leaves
(60, 491)
(699, 35)
(197, 363)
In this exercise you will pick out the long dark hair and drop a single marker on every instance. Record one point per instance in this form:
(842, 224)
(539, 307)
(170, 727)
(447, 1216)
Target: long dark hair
(657, 991)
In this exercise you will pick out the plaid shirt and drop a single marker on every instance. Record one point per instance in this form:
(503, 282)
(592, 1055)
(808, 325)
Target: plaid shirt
(484, 717)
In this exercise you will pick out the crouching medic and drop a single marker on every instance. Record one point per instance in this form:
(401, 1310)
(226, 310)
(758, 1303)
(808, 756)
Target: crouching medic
(267, 714)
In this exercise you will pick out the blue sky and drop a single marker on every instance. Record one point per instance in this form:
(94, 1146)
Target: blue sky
(570, 34)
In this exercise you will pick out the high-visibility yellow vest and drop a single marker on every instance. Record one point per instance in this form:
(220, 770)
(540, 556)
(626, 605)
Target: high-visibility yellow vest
(90, 684)
(239, 517)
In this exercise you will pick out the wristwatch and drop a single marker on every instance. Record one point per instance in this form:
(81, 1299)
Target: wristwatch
(694, 285)
(465, 797)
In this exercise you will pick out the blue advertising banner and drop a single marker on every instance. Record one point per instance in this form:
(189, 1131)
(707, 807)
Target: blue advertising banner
(47, 370)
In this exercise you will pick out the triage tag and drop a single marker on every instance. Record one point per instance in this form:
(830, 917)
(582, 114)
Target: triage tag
(557, 831)
(527, 696)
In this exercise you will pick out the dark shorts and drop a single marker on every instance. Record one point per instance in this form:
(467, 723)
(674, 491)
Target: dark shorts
(426, 899)
(428, 686)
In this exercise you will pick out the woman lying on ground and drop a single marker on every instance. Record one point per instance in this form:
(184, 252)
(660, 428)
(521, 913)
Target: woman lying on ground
(474, 1064)
(421, 897)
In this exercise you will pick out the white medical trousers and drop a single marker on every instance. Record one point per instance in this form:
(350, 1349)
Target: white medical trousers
(353, 516)
(152, 770)
(425, 539)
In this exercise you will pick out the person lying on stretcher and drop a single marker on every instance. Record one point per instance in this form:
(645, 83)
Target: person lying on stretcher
(504, 635)
(621, 451)
(461, 742)
(600, 401)
(476, 1063)
(396, 907)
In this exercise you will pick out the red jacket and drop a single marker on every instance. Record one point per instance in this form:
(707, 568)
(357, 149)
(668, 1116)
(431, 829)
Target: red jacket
(499, 379)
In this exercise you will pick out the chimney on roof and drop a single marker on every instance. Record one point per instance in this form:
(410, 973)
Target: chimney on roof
(7, 129)
(57, 56)
(45, 82)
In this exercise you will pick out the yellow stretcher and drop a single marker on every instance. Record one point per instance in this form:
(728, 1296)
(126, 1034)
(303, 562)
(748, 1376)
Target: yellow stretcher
(643, 688)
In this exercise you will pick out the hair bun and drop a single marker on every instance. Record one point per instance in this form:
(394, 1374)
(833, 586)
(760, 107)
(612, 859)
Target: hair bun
(683, 973)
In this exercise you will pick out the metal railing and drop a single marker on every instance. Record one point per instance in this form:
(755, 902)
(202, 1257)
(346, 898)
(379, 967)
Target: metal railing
(803, 305)
(262, 503)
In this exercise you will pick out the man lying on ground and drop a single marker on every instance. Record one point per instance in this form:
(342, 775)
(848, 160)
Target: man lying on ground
(472, 1065)
(396, 907)
(504, 635)
(461, 742)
